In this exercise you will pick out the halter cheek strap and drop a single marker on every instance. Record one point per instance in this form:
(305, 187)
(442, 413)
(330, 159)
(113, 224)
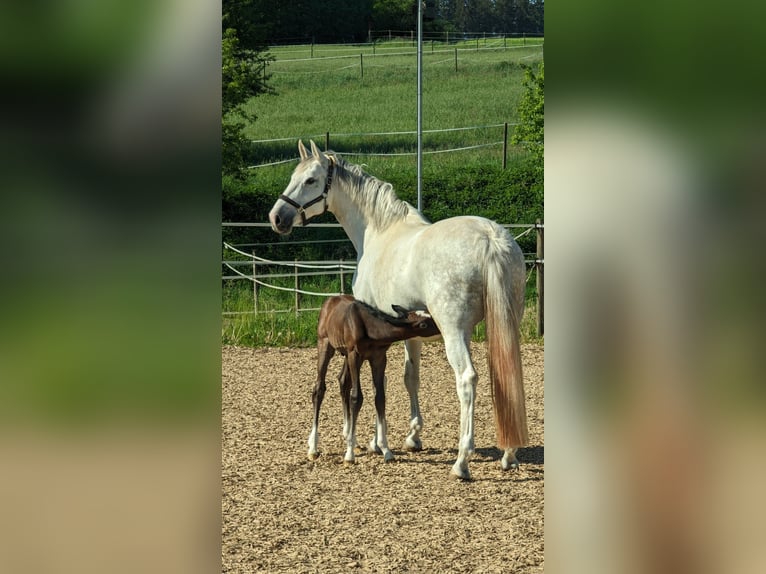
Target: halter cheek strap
(323, 197)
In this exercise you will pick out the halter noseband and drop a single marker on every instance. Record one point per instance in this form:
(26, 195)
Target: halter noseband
(323, 197)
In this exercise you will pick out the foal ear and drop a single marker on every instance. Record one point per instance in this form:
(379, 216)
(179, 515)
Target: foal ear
(317, 153)
(401, 312)
(302, 150)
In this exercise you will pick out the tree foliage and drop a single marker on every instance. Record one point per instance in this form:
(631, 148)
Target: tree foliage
(242, 77)
(531, 113)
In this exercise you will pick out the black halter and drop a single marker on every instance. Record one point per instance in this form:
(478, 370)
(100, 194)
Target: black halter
(323, 197)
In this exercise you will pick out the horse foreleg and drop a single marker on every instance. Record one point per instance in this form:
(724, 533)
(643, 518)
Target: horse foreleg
(412, 349)
(355, 403)
(459, 357)
(325, 352)
(378, 366)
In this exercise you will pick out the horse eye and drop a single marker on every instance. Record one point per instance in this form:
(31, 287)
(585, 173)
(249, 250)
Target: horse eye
(311, 181)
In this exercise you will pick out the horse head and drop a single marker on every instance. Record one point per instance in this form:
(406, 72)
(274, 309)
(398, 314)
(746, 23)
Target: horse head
(306, 194)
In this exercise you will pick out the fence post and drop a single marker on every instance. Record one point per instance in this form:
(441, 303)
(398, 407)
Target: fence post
(342, 287)
(327, 141)
(312, 49)
(255, 287)
(539, 263)
(456, 58)
(505, 144)
(361, 64)
(297, 286)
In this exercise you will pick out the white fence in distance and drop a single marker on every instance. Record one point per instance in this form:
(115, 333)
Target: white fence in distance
(341, 268)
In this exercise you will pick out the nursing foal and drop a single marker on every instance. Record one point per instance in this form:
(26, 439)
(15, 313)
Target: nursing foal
(360, 333)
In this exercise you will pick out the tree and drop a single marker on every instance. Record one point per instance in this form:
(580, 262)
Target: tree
(242, 77)
(531, 114)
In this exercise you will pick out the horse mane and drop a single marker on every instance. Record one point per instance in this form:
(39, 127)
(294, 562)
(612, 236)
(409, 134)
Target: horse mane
(374, 197)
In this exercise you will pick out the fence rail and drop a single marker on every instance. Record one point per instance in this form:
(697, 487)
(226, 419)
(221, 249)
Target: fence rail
(326, 137)
(342, 269)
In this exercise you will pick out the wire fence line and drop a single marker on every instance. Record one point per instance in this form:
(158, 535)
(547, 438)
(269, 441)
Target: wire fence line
(339, 268)
(367, 134)
(326, 137)
(375, 54)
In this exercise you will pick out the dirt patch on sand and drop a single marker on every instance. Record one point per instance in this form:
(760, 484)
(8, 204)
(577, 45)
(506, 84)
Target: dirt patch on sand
(284, 513)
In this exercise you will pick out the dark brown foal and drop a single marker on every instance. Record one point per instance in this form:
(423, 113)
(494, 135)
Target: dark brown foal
(360, 333)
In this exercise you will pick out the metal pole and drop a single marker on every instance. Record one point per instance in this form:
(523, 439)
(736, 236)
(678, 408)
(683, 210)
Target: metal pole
(540, 281)
(505, 145)
(297, 286)
(255, 287)
(420, 105)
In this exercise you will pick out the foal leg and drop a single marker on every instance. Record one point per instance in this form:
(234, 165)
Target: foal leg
(378, 366)
(325, 351)
(412, 349)
(459, 357)
(344, 380)
(355, 403)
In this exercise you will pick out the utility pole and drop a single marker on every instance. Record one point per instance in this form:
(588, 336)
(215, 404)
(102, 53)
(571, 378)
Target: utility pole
(420, 105)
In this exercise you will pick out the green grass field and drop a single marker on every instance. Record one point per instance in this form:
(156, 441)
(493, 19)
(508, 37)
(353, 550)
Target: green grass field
(327, 93)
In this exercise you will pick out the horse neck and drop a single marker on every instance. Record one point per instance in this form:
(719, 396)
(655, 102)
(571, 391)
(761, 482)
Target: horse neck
(349, 215)
(349, 201)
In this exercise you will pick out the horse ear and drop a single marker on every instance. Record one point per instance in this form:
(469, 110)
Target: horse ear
(401, 312)
(316, 152)
(302, 150)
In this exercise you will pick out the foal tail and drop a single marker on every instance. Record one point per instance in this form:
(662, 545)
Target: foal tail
(502, 312)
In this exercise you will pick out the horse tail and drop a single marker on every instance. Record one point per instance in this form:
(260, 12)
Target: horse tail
(503, 307)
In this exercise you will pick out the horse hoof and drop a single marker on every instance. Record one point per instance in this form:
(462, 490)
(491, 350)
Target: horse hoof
(463, 475)
(349, 463)
(509, 462)
(313, 455)
(388, 456)
(373, 447)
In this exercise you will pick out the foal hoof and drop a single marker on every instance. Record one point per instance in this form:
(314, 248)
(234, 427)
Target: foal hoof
(349, 463)
(374, 448)
(412, 445)
(313, 455)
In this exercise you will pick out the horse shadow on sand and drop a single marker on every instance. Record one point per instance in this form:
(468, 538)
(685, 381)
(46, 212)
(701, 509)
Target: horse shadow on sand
(531, 458)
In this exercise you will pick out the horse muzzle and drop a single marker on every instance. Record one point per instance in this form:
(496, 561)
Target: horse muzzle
(282, 218)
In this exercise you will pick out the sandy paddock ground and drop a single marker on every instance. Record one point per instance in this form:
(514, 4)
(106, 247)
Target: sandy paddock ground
(284, 513)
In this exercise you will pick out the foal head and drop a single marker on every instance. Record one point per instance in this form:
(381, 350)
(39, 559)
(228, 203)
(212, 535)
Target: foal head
(420, 321)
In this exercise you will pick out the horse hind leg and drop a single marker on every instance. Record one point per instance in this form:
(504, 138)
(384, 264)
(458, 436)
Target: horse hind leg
(509, 461)
(412, 350)
(459, 357)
